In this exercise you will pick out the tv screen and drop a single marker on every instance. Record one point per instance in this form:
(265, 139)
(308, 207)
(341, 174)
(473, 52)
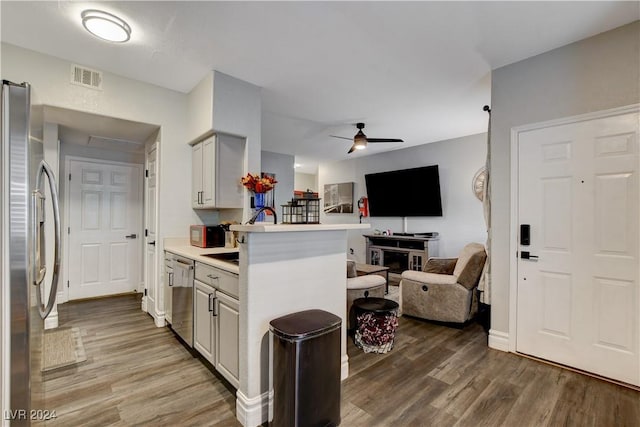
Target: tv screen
(406, 192)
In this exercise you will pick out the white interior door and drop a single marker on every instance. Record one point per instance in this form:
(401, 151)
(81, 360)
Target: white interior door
(105, 214)
(151, 301)
(578, 302)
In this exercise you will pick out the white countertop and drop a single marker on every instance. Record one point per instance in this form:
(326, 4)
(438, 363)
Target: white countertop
(182, 247)
(267, 227)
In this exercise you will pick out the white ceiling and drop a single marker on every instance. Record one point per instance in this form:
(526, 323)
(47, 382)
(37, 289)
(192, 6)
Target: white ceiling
(419, 71)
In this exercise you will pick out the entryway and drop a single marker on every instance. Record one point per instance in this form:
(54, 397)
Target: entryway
(578, 237)
(105, 219)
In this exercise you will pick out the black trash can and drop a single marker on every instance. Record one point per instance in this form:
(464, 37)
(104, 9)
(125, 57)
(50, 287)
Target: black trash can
(306, 369)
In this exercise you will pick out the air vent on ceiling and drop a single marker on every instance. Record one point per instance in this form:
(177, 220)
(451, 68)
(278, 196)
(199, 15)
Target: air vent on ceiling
(86, 77)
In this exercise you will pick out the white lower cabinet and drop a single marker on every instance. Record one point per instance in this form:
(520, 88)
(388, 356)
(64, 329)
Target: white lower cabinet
(227, 349)
(216, 317)
(204, 334)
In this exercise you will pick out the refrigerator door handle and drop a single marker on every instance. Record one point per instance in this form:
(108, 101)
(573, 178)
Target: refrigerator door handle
(38, 224)
(37, 210)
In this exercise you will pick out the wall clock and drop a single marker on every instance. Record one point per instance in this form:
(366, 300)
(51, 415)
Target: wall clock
(478, 183)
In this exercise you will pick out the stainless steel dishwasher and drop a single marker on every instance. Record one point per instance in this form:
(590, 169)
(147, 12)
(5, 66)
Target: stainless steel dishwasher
(182, 298)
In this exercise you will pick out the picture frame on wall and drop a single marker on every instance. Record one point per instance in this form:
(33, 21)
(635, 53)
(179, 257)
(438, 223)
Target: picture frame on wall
(338, 198)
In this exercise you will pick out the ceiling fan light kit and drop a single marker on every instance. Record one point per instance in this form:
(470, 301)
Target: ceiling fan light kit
(360, 140)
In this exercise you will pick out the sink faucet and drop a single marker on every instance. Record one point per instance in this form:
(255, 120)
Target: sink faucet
(262, 209)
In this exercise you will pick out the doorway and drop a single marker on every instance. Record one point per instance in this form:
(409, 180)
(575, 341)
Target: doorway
(104, 217)
(577, 231)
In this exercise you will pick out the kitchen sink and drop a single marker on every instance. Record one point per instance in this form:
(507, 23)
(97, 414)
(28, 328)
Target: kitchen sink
(231, 257)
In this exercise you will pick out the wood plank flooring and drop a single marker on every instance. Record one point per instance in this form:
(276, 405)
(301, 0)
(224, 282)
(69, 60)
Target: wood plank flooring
(137, 374)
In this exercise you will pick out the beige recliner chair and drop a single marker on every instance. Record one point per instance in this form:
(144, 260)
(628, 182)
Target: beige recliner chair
(446, 290)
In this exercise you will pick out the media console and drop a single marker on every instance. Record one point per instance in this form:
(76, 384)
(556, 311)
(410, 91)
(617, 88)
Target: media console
(400, 252)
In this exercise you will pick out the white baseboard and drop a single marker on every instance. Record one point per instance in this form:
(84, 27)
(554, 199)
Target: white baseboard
(344, 367)
(159, 321)
(255, 411)
(51, 322)
(498, 340)
(144, 305)
(61, 298)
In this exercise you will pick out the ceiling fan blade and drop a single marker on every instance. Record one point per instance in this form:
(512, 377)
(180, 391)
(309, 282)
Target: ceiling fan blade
(352, 149)
(341, 137)
(384, 140)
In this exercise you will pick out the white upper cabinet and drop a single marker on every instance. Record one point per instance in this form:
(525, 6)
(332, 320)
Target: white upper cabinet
(217, 166)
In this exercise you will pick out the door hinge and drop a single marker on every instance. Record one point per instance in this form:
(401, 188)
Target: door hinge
(145, 292)
(69, 177)
(68, 230)
(67, 283)
(146, 232)
(146, 173)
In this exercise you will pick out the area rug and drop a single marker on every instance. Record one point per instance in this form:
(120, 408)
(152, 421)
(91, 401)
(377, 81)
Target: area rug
(394, 293)
(62, 347)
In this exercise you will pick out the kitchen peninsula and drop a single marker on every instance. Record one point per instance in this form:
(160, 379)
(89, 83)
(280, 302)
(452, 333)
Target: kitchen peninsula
(283, 269)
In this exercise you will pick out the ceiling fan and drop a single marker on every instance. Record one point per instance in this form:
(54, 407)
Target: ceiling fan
(360, 140)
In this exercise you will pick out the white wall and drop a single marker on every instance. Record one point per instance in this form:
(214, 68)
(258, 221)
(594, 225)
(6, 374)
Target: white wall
(305, 181)
(121, 98)
(458, 160)
(237, 110)
(282, 166)
(597, 73)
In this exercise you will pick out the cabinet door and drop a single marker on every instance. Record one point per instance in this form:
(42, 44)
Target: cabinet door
(208, 196)
(168, 294)
(196, 175)
(229, 167)
(374, 257)
(416, 260)
(204, 321)
(227, 347)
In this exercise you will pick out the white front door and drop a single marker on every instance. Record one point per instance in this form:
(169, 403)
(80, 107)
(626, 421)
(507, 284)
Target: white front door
(578, 302)
(151, 301)
(105, 213)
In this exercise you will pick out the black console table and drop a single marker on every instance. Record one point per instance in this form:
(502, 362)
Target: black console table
(401, 252)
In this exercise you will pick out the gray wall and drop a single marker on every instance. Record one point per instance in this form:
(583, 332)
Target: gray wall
(458, 160)
(597, 73)
(282, 166)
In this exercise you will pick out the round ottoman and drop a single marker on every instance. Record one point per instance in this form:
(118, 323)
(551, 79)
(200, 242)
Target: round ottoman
(366, 286)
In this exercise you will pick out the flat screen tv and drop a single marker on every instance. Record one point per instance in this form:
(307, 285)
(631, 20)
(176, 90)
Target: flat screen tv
(406, 192)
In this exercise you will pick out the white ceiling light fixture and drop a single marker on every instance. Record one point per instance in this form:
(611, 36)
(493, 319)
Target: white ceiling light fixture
(106, 26)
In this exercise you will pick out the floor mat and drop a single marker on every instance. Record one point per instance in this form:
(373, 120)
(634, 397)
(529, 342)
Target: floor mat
(62, 347)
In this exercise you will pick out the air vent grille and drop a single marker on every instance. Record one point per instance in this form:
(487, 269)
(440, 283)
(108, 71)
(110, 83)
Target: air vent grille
(86, 77)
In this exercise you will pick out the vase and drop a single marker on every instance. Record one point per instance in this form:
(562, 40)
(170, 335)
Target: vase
(258, 202)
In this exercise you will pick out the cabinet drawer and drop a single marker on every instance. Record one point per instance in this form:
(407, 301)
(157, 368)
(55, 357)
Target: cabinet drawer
(219, 279)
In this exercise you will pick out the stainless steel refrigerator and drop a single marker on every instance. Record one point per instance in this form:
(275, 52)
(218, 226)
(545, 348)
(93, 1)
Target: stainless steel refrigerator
(26, 299)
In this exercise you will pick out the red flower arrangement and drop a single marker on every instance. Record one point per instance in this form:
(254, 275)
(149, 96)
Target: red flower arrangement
(258, 184)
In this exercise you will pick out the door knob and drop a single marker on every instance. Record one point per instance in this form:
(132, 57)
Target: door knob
(152, 243)
(131, 236)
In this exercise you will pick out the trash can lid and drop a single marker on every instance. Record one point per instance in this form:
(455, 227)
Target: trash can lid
(375, 305)
(304, 324)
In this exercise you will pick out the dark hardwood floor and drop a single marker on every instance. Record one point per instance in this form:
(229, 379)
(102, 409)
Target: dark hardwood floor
(137, 374)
